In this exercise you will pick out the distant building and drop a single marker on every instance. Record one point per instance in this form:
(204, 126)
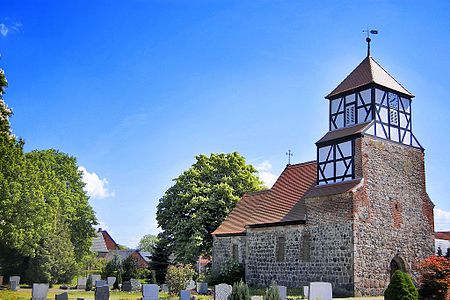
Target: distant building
(105, 247)
(442, 241)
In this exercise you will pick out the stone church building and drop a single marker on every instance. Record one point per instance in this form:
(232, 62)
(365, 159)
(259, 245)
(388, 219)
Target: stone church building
(355, 214)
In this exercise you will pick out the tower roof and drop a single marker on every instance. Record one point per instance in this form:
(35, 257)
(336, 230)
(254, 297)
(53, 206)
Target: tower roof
(368, 71)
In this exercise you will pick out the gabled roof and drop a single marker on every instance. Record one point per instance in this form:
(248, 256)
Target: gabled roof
(368, 71)
(442, 235)
(282, 203)
(98, 243)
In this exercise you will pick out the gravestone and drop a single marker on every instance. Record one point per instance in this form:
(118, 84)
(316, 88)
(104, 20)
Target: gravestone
(185, 295)
(100, 283)
(305, 291)
(190, 285)
(222, 291)
(80, 298)
(111, 281)
(164, 288)
(102, 292)
(63, 296)
(13, 285)
(321, 290)
(126, 286)
(283, 292)
(202, 288)
(150, 291)
(15, 278)
(81, 283)
(95, 277)
(256, 297)
(39, 291)
(135, 285)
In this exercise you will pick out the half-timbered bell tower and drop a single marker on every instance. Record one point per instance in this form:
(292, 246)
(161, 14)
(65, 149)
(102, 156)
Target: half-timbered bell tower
(370, 102)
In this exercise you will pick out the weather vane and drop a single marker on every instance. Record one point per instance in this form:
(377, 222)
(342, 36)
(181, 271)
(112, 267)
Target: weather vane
(368, 39)
(289, 154)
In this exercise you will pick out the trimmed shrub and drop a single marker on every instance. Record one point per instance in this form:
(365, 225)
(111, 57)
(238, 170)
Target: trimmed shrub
(178, 276)
(240, 291)
(230, 273)
(401, 287)
(272, 293)
(89, 283)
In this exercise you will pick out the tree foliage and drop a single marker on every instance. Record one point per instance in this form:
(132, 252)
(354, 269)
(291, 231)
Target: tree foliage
(147, 242)
(178, 277)
(46, 222)
(130, 268)
(200, 200)
(160, 261)
(434, 277)
(401, 287)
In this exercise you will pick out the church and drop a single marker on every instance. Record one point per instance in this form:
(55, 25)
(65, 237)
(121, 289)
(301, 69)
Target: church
(354, 215)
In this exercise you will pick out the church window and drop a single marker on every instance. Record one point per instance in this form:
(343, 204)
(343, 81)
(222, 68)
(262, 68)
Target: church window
(235, 252)
(393, 109)
(305, 248)
(350, 115)
(280, 248)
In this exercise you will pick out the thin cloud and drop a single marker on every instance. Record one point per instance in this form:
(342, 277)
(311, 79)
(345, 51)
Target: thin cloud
(6, 29)
(442, 219)
(265, 173)
(95, 186)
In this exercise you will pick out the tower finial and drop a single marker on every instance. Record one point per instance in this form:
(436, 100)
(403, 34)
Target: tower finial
(368, 39)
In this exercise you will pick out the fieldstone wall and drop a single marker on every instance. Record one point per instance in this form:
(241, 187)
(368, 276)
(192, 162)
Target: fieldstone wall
(223, 250)
(330, 258)
(393, 213)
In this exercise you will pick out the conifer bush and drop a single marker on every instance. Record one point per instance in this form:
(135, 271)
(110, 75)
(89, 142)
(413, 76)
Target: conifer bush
(272, 293)
(401, 287)
(89, 283)
(240, 291)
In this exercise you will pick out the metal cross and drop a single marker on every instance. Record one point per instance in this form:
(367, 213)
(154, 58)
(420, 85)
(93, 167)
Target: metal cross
(289, 154)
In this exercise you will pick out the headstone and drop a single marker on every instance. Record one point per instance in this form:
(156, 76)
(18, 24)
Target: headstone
(111, 281)
(126, 286)
(39, 291)
(102, 292)
(283, 292)
(305, 291)
(222, 291)
(150, 291)
(80, 298)
(202, 288)
(15, 278)
(320, 290)
(135, 285)
(81, 283)
(63, 296)
(95, 277)
(256, 297)
(13, 285)
(185, 295)
(190, 285)
(164, 288)
(100, 283)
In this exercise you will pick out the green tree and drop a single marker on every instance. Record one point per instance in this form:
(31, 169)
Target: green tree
(147, 242)
(160, 261)
(130, 268)
(200, 200)
(401, 287)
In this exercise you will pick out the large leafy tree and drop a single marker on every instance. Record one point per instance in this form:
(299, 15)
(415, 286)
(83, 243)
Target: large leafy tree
(200, 200)
(147, 242)
(46, 222)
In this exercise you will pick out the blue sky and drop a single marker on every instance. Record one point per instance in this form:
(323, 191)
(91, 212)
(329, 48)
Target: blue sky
(136, 89)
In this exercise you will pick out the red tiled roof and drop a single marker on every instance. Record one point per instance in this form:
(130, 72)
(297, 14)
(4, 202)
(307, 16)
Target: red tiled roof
(110, 243)
(332, 188)
(282, 203)
(368, 71)
(442, 235)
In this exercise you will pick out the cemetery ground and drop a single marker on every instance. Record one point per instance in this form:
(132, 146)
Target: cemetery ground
(25, 293)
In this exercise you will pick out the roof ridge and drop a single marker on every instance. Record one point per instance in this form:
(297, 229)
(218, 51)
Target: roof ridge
(388, 74)
(301, 164)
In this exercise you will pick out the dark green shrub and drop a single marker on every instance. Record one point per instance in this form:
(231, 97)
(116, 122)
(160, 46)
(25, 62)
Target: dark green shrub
(116, 285)
(130, 268)
(240, 291)
(401, 287)
(111, 267)
(89, 283)
(232, 272)
(153, 277)
(272, 293)
(160, 262)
